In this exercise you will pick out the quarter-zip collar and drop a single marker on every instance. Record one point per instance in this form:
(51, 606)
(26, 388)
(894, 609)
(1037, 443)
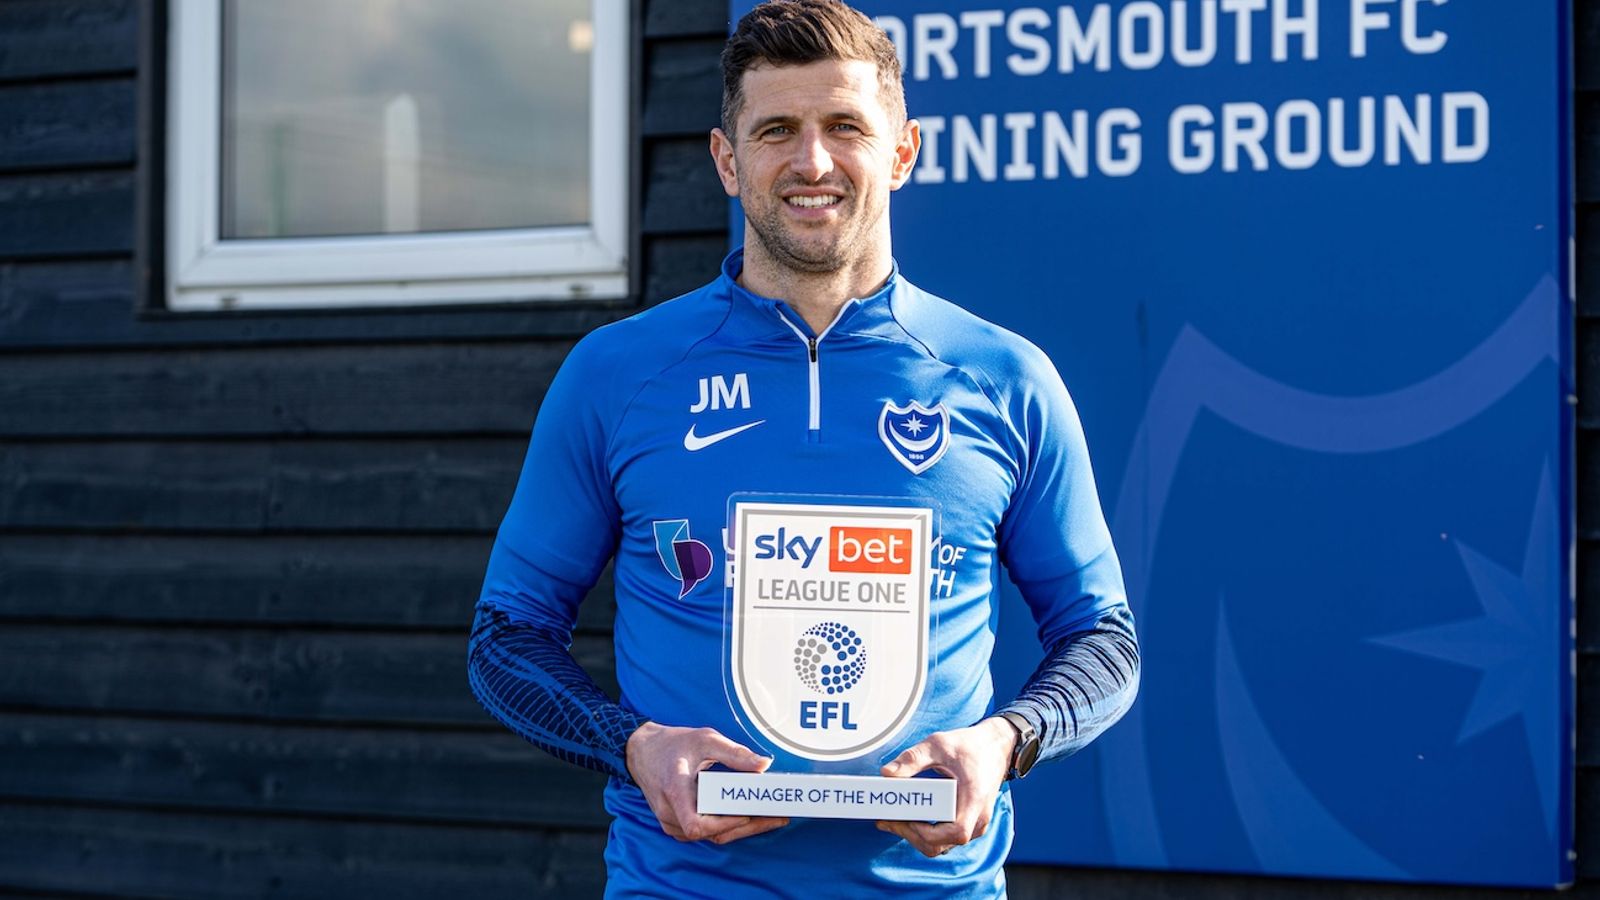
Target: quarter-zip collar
(757, 318)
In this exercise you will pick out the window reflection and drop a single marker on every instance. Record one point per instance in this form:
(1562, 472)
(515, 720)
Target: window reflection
(399, 116)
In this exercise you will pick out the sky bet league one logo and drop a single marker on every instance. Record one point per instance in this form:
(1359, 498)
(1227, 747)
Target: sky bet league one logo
(686, 559)
(814, 587)
(916, 435)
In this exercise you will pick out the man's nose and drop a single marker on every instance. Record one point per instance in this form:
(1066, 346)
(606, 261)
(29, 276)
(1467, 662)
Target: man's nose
(811, 160)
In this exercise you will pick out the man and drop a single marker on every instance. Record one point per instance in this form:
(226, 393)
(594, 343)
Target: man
(778, 377)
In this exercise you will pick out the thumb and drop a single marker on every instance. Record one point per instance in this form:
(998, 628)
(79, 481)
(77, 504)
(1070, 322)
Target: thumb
(735, 756)
(915, 758)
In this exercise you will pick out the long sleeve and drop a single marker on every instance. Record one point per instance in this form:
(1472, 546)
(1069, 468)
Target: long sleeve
(524, 676)
(560, 529)
(1058, 552)
(1084, 684)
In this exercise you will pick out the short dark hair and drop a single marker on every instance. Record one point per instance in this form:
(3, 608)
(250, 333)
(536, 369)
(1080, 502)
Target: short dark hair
(796, 32)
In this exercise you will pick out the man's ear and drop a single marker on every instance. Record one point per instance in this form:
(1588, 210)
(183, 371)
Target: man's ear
(722, 155)
(905, 154)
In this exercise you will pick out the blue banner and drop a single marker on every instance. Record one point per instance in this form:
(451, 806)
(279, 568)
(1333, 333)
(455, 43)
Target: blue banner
(1304, 267)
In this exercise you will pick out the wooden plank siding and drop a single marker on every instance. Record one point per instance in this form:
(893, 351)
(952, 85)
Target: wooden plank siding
(426, 581)
(387, 773)
(276, 674)
(73, 124)
(41, 39)
(1586, 158)
(449, 485)
(179, 853)
(271, 391)
(239, 552)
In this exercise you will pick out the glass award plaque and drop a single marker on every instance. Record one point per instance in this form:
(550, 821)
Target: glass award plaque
(827, 638)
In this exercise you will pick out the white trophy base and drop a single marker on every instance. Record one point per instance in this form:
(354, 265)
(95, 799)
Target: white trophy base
(804, 795)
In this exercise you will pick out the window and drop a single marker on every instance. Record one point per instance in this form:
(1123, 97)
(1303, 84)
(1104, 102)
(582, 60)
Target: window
(396, 151)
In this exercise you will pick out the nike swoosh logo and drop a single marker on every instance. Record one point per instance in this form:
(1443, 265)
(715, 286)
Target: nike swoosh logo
(693, 442)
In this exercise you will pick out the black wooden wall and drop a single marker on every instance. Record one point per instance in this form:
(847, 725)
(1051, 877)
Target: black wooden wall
(238, 553)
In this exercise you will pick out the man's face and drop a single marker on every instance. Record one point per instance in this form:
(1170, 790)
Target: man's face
(813, 161)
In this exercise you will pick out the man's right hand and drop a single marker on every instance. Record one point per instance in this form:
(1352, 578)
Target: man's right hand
(665, 763)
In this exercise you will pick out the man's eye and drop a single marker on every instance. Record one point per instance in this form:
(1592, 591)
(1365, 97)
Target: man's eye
(845, 126)
(776, 131)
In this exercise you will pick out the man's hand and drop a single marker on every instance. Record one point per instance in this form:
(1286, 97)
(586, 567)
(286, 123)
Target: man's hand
(665, 762)
(978, 758)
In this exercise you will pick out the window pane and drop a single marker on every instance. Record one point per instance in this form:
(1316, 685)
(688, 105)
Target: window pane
(396, 116)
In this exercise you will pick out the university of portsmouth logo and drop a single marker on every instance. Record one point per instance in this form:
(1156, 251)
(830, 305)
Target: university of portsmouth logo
(816, 586)
(685, 558)
(915, 434)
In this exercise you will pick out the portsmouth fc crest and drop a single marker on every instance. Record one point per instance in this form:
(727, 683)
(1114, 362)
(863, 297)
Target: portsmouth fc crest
(915, 434)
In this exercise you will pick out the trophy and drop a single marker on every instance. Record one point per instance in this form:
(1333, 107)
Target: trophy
(827, 639)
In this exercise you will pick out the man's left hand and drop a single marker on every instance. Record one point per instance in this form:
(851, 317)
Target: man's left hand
(978, 758)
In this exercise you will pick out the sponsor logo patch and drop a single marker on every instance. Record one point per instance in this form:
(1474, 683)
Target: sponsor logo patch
(916, 435)
(686, 559)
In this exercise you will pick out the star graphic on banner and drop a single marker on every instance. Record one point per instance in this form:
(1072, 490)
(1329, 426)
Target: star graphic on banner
(913, 426)
(1510, 644)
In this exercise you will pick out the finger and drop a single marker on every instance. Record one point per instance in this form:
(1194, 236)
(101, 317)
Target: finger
(705, 828)
(908, 831)
(665, 815)
(756, 825)
(682, 799)
(916, 758)
(737, 757)
(985, 815)
(974, 813)
(912, 836)
(898, 829)
(944, 834)
(682, 809)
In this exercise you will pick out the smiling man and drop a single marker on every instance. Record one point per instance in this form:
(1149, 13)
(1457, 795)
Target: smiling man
(811, 368)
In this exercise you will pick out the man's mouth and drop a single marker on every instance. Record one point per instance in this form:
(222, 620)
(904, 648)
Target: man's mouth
(817, 202)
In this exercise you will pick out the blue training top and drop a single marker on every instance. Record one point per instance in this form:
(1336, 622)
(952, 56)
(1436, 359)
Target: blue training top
(655, 421)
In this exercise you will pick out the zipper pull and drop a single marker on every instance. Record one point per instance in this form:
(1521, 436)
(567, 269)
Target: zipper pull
(811, 345)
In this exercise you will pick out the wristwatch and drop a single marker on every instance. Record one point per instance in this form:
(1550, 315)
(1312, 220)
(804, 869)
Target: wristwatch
(1026, 752)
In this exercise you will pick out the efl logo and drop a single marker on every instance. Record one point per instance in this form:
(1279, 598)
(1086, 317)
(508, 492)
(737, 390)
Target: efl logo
(870, 550)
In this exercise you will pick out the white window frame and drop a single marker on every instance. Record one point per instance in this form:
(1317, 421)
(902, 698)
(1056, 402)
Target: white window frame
(205, 272)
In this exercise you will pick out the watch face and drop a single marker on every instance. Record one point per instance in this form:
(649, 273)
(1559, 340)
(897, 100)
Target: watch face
(1027, 755)
(1027, 749)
